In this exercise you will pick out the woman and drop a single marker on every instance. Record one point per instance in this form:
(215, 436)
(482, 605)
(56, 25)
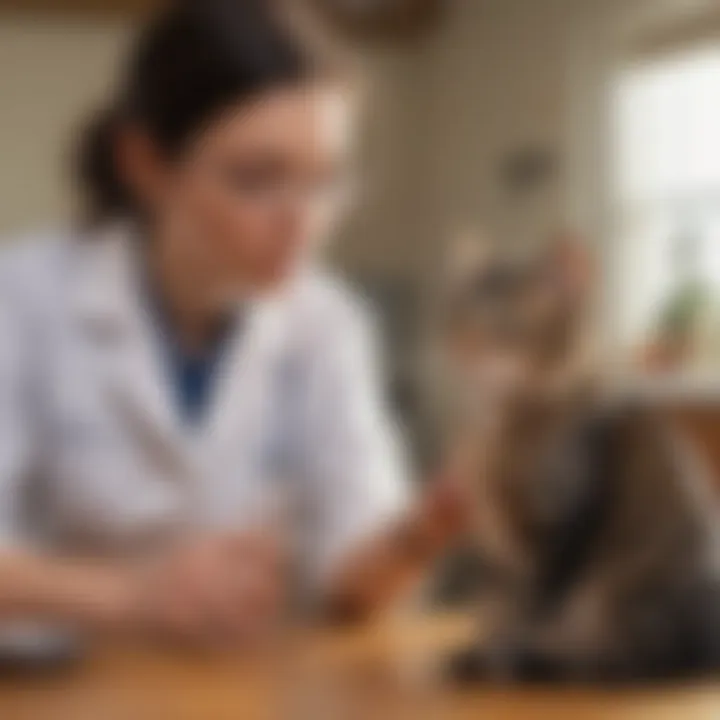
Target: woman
(178, 380)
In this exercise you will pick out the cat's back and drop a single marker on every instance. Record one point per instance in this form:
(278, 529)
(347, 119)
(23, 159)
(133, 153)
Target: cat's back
(662, 494)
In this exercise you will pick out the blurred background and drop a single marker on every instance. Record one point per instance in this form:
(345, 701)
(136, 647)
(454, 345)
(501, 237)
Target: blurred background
(514, 118)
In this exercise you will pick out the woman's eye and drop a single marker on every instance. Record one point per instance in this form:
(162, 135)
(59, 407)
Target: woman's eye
(273, 179)
(255, 178)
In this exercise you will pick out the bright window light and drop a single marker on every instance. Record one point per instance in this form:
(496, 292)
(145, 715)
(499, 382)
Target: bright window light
(667, 202)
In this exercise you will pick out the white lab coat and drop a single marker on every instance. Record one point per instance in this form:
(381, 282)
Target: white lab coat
(94, 457)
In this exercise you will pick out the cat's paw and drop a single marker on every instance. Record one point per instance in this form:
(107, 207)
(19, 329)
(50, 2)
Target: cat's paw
(468, 666)
(537, 668)
(476, 666)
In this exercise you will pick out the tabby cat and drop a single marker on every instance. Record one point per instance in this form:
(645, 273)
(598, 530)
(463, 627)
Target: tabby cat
(596, 524)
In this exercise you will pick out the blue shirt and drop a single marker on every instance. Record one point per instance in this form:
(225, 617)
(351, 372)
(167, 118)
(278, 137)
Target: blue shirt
(191, 374)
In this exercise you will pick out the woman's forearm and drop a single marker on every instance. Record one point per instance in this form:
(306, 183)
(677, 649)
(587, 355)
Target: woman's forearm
(93, 594)
(383, 571)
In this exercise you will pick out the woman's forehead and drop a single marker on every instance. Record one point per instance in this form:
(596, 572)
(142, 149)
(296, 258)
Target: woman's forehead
(313, 118)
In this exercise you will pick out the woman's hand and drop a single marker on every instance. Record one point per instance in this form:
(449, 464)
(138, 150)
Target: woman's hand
(443, 516)
(381, 571)
(217, 591)
(221, 590)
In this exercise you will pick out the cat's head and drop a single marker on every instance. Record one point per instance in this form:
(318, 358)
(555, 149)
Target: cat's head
(510, 328)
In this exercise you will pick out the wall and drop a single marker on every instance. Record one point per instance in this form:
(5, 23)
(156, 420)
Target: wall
(494, 80)
(501, 75)
(51, 74)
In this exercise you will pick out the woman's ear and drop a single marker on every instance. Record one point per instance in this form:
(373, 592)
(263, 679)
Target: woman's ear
(141, 166)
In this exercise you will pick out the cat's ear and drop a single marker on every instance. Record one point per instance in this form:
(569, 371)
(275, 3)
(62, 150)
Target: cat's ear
(571, 266)
(466, 255)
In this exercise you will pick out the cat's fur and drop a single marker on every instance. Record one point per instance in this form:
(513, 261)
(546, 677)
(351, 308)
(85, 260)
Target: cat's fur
(597, 526)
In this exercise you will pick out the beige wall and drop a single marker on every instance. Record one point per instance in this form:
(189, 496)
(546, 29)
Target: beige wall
(492, 81)
(501, 75)
(51, 74)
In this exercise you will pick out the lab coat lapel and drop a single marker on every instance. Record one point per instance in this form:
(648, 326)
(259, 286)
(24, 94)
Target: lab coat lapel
(110, 303)
(243, 386)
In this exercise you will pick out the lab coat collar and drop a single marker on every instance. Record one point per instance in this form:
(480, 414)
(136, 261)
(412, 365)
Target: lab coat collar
(106, 276)
(109, 302)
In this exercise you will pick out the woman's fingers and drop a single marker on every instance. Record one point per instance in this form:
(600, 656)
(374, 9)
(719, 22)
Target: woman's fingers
(226, 589)
(451, 502)
(446, 510)
(262, 548)
(240, 603)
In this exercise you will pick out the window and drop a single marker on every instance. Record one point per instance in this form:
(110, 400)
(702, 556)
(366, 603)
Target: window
(667, 210)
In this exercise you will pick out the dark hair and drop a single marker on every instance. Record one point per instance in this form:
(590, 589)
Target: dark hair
(195, 60)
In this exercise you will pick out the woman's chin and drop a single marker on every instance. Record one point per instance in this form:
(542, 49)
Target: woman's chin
(268, 281)
(278, 273)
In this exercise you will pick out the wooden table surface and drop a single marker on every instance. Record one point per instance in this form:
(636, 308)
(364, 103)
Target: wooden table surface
(373, 674)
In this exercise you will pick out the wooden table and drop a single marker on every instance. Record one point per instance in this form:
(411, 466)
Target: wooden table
(372, 674)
